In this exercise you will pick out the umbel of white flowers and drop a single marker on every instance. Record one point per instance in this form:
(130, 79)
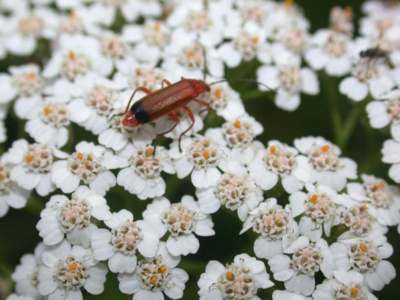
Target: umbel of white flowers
(90, 56)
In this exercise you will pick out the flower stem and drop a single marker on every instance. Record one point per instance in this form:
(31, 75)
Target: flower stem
(350, 124)
(331, 92)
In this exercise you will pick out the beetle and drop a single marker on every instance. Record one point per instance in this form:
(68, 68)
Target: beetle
(170, 100)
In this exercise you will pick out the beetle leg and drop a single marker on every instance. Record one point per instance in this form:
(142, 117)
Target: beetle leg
(189, 113)
(139, 88)
(203, 103)
(174, 116)
(165, 82)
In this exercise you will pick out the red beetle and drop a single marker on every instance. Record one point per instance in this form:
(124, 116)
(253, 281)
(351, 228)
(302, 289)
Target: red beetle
(169, 101)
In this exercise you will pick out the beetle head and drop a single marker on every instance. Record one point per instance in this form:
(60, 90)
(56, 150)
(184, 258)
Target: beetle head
(129, 120)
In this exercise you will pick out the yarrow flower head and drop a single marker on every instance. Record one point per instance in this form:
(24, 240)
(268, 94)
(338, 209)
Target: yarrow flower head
(239, 280)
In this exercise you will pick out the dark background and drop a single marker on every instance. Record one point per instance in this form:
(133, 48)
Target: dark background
(314, 117)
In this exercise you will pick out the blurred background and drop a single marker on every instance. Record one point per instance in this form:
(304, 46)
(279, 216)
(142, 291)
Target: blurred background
(19, 236)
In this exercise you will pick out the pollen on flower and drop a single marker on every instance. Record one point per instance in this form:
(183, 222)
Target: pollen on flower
(114, 47)
(324, 158)
(204, 153)
(74, 64)
(295, 39)
(71, 23)
(156, 34)
(55, 114)
(31, 25)
(75, 213)
(351, 292)
(336, 44)
(358, 220)
(101, 98)
(393, 108)
(289, 78)
(192, 57)
(197, 21)
(216, 98)
(272, 223)
(237, 283)
(364, 256)
(247, 44)
(71, 273)
(231, 190)
(379, 194)
(28, 83)
(307, 260)
(147, 77)
(126, 237)
(145, 163)
(179, 219)
(320, 207)
(279, 159)
(38, 158)
(153, 273)
(238, 133)
(254, 12)
(5, 182)
(84, 165)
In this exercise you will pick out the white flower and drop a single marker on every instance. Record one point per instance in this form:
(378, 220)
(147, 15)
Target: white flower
(390, 155)
(180, 222)
(149, 39)
(369, 76)
(11, 194)
(225, 101)
(18, 297)
(24, 28)
(154, 277)
(94, 106)
(366, 257)
(246, 45)
(75, 58)
(382, 199)
(275, 226)
(189, 59)
(25, 84)
(330, 51)
(32, 165)
(344, 285)
(88, 164)
(280, 161)
(120, 245)
(238, 136)
(306, 258)
(358, 221)
(72, 217)
(327, 165)
(201, 156)
(285, 295)
(289, 79)
(25, 274)
(116, 49)
(193, 21)
(235, 191)
(317, 208)
(130, 9)
(385, 111)
(238, 280)
(141, 170)
(67, 269)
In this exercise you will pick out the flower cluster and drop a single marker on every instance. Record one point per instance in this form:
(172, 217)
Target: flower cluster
(320, 227)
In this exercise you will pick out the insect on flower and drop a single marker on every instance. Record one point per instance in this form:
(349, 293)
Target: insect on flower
(170, 100)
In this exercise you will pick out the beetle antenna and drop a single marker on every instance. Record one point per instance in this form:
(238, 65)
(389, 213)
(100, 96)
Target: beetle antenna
(242, 80)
